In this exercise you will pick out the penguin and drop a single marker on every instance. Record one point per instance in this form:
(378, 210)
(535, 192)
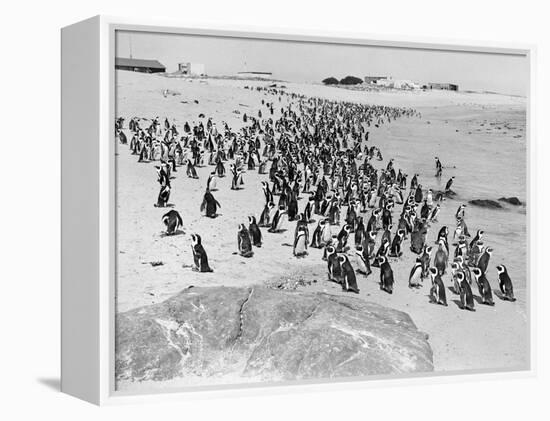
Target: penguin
(191, 171)
(172, 163)
(262, 167)
(199, 255)
(441, 258)
(300, 242)
(443, 234)
(418, 240)
(369, 243)
(220, 169)
(458, 229)
(465, 269)
(333, 265)
(122, 137)
(351, 217)
(461, 247)
(142, 153)
(255, 233)
(362, 261)
(359, 231)
(425, 210)
(173, 221)
(438, 168)
(466, 295)
(455, 269)
(395, 249)
(342, 239)
(475, 253)
(278, 221)
(349, 283)
(243, 242)
(326, 233)
(434, 213)
(210, 205)
(415, 276)
(484, 287)
(163, 197)
(211, 182)
(418, 194)
(292, 210)
(505, 284)
(449, 184)
(382, 251)
(483, 262)
(386, 235)
(414, 182)
(265, 215)
(425, 260)
(437, 291)
(162, 176)
(460, 212)
(237, 179)
(386, 274)
(334, 213)
(308, 211)
(386, 217)
(477, 237)
(316, 239)
(371, 224)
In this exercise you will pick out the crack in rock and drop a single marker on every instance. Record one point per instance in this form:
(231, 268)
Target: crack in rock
(241, 315)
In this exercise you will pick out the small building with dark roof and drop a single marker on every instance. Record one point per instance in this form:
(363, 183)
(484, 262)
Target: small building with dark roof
(443, 86)
(139, 65)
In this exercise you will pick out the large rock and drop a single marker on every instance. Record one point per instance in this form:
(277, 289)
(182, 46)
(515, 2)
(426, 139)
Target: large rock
(268, 334)
(511, 200)
(486, 203)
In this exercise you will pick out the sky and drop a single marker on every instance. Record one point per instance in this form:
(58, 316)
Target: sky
(312, 62)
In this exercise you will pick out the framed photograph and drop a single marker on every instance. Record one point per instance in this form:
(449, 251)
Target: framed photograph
(245, 210)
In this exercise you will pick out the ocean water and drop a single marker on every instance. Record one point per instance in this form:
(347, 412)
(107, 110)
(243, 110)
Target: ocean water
(488, 163)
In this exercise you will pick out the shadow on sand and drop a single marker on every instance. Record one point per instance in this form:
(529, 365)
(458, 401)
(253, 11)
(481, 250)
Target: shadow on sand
(178, 232)
(501, 296)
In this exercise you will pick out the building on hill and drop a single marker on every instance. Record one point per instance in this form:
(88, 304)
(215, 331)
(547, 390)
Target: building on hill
(139, 65)
(443, 86)
(192, 69)
(405, 84)
(398, 84)
(374, 79)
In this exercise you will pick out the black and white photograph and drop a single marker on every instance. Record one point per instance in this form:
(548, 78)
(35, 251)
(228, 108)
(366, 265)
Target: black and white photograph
(308, 211)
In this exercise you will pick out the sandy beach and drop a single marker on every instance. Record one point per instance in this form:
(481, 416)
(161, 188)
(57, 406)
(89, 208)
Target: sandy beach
(479, 137)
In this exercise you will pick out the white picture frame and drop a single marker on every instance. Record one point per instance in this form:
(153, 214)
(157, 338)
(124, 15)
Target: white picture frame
(88, 206)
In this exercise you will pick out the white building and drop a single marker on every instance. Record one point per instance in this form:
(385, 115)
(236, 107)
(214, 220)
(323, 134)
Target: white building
(398, 84)
(192, 69)
(405, 84)
(387, 83)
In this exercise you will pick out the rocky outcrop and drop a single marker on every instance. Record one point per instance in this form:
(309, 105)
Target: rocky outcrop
(511, 200)
(268, 334)
(445, 193)
(485, 203)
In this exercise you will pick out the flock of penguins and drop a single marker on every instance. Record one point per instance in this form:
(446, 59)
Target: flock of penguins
(315, 150)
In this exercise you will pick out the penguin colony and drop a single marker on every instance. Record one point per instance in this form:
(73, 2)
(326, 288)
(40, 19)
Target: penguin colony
(319, 151)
